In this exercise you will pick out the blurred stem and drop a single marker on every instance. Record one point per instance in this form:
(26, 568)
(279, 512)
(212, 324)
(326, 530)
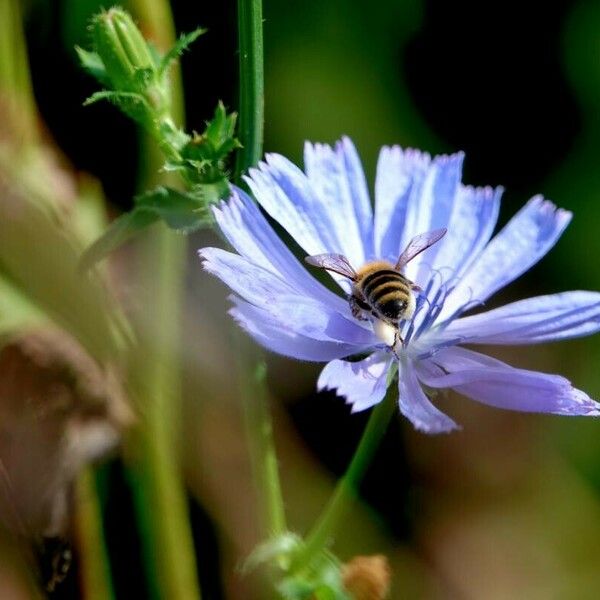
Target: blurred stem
(160, 492)
(19, 112)
(15, 84)
(347, 488)
(252, 95)
(93, 560)
(262, 447)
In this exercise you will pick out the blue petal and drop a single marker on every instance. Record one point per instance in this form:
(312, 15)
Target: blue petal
(303, 314)
(526, 239)
(531, 321)
(399, 176)
(281, 339)
(316, 224)
(417, 407)
(338, 181)
(495, 383)
(413, 195)
(362, 383)
(251, 235)
(432, 209)
(472, 222)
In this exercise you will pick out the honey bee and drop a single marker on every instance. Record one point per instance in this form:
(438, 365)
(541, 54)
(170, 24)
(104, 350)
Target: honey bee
(379, 288)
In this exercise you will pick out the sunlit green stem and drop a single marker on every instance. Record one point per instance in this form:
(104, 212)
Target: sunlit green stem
(347, 488)
(93, 561)
(161, 497)
(160, 492)
(252, 95)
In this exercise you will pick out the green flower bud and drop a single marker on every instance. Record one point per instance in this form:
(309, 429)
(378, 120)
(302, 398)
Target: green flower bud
(123, 50)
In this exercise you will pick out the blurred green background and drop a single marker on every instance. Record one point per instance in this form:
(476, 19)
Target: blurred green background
(510, 506)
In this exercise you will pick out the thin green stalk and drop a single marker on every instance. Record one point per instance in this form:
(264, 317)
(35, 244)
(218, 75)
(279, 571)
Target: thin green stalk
(159, 489)
(264, 458)
(253, 391)
(252, 94)
(94, 564)
(347, 487)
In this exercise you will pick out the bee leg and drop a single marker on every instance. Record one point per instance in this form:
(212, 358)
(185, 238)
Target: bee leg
(357, 311)
(398, 340)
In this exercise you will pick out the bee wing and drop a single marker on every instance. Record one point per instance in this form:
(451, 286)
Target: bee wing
(337, 263)
(418, 244)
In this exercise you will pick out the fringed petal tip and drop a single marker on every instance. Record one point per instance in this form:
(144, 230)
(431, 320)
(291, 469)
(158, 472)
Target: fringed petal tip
(436, 426)
(205, 255)
(362, 384)
(576, 403)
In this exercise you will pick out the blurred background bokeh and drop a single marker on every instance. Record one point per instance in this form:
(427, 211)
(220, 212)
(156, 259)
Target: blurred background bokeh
(510, 506)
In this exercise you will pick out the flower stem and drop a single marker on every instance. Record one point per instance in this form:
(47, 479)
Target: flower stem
(252, 94)
(264, 459)
(347, 487)
(256, 401)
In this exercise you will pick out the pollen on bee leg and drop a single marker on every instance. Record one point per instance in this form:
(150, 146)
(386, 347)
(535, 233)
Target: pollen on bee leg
(385, 332)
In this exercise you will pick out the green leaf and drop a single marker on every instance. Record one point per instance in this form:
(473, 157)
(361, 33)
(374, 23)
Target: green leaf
(131, 103)
(204, 155)
(221, 128)
(119, 231)
(93, 64)
(182, 44)
(181, 212)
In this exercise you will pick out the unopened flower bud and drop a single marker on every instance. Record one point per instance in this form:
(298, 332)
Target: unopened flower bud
(122, 48)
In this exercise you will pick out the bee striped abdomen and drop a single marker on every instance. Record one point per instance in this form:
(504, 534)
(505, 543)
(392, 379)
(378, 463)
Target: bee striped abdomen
(386, 291)
(379, 283)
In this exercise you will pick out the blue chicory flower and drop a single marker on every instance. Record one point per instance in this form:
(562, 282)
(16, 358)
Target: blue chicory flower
(327, 209)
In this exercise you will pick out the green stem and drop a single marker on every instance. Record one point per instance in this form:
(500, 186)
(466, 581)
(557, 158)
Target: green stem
(259, 424)
(160, 493)
(252, 95)
(94, 564)
(264, 458)
(347, 487)
(256, 401)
